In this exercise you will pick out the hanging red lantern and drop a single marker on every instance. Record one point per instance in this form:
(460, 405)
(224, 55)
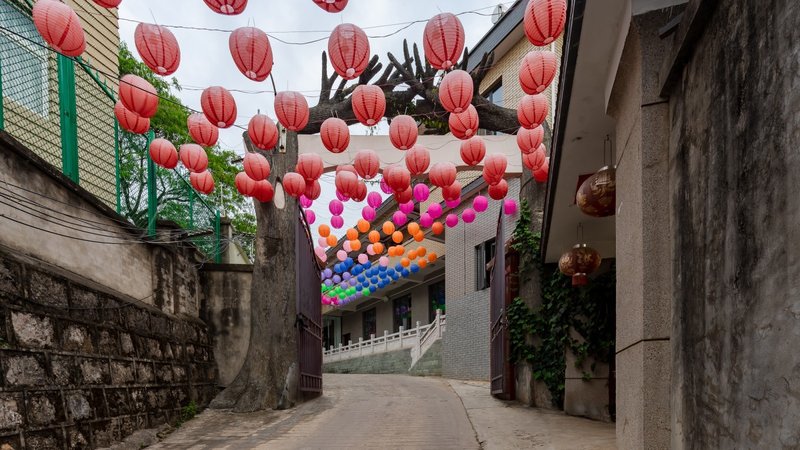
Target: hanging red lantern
(452, 192)
(465, 124)
(348, 48)
(201, 130)
(202, 182)
(163, 153)
(597, 196)
(256, 166)
(473, 150)
(346, 168)
(403, 132)
(219, 106)
(537, 70)
(129, 120)
(108, 3)
(294, 184)
(499, 190)
(398, 178)
(534, 160)
(443, 41)
(227, 7)
(543, 172)
(244, 184)
(494, 168)
(251, 52)
(292, 110)
(528, 140)
(310, 166)
(347, 183)
(544, 20)
(404, 196)
(138, 95)
(335, 134)
(313, 190)
(332, 6)
(532, 110)
(369, 104)
(264, 192)
(456, 91)
(418, 159)
(158, 48)
(579, 262)
(193, 157)
(262, 132)
(367, 164)
(360, 193)
(442, 174)
(59, 26)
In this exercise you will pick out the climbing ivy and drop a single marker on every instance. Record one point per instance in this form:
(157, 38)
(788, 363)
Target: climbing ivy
(540, 336)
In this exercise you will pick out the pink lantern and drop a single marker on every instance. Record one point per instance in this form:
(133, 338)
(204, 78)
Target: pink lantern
(158, 48)
(418, 159)
(541, 174)
(510, 207)
(257, 167)
(480, 203)
(313, 190)
(468, 215)
(264, 191)
(251, 52)
(347, 183)
(537, 71)
(332, 6)
(193, 157)
(421, 192)
(499, 190)
(384, 185)
(59, 26)
(452, 204)
(532, 110)
(292, 110)
(201, 130)
(473, 150)
(442, 174)
(529, 140)
(337, 222)
(369, 104)
(129, 120)
(227, 7)
(108, 3)
(399, 218)
(443, 41)
(533, 161)
(435, 210)
(309, 165)
(294, 184)
(544, 20)
(399, 179)
(202, 182)
(403, 132)
(347, 246)
(451, 220)
(138, 95)
(494, 168)
(426, 220)
(367, 164)
(311, 217)
(244, 184)
(336, 207)
(452, 192)
(163, 153)
(335, 135)
(360, 193)
(465, 124)
(219, 106)
(368, 213)
(341, 197)
(348, 48)
(263, 132)
(404, 196)
(407, 208)
(363, 258)
(341, 255)
(374, 199)
(384, 261)
(305, 202)
(456, 91)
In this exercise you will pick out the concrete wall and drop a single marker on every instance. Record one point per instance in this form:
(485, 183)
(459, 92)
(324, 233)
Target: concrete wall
(391, 362)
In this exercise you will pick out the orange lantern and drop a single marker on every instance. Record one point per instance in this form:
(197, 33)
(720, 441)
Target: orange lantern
(442, 174)
(367, 164)
(59, 26)
(465, 124)
(332, 6)
(533, 161)
(257, 167)
(494, 168)
(163, 153)
(578, 263)
(294, 184)
(263, 132)
(403, 132)
(418, 159)
(219, 106)
(138, 95)
(348, 48)
(324, 230)
(443, 41)
(397, 237)
(351, 234)
(251, 52)
(399, 250)
(452, 192)
(158, 48)
(437, 228)
(332, 241)
(347, 183)
(432, 258)
(532, 110)
(377, 248)
(129, 120)
(369, 104)
(421, 251)
(456, 91)
(473, 151)
(419, 237)
(203, 182)
(388, 228)
(244, 184)
(499, 190)
(201, 130)
(309, 165)
(355, 245)
(422, 263)
(108, 3)
(292, 110)
(413, 228)
(313, 190)
(537, 70)
(374, 236)
(405, 262)
(541, 174)
(193, 157)
(544, 20)
(335, 135)
(264, 191)
(398, 179)
(528, 140)
(227, 7)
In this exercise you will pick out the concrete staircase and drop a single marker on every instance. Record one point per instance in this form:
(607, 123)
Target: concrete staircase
(430, 364)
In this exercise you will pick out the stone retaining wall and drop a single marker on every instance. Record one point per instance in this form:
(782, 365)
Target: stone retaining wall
(391, 362)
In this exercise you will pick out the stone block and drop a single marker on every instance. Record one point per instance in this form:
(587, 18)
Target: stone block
(44, 409)
(106, 342)
(10, 442)
(104, 433)
(164, 373)
(126, 344)
(63, 370)
(32, 331)
(23, 370)
(168, 354)
(10, 411)
(121, 372)
(153, 348)
(144, 373)
(179, 373)
(113, 311)
(93, 371)
(138, 400)
(10, 277)
(78, 438)
(76, 338)
(118, 402)
(79, 406)
(84, 303)
(136, 319)
(159, 324)
(47, 290)
(44, 440)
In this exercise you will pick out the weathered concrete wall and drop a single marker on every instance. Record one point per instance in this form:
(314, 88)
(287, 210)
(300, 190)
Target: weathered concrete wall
(431, 362)
(390, 362)
(734, 179)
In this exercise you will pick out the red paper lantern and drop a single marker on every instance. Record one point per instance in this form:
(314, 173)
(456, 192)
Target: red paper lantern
(532, 110)
(537, 71)
(346, 168)
(309, 165)
(163, 153)
(369, 104)
(578, 263)
(534, 160)
(264, 192)
(499, 190)
(360, 193)
(544, 20)
(202, 182)
(313, 190)
(201, 130)
(404, 196)
(348, 48)
(418, 159)
(108, 3)
(452, 192)
(465, 124)
(59, 26)
(442, 174)
(543, 172)
(193, 157)
(473, 150)
(347, 183)
(332, 6)
(251, 52)
(294, 184)
(443, 41)
(158, 48)
(256, 166)
(367, 164)
(398, 178)
(129, 120)
(219, 106)
(335, 135)
(494, 168)
(138, 95)
(227, 7)
(244, 184)
(263, 132)
(456, 91)
(292, 110)
(529, 140)
(403, 132)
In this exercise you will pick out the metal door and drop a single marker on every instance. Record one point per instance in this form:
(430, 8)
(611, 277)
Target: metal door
(502, 372)
(309, 312)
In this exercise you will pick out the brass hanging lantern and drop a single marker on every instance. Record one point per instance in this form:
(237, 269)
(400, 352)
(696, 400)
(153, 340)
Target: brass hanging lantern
(578, 263)
(597, 195)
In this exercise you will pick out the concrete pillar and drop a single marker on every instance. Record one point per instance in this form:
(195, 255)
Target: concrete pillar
(401, 337)
(385, 340)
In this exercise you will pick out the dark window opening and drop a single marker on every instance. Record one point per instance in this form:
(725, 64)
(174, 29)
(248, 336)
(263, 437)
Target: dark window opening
(402, 313)
(436, 297)
(370, 323)
(483, 256)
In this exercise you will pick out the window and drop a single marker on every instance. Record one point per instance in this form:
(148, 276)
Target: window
(483, 256)
(402, 313)
(24, 63)
(495, 96)
(436, 298)
(331, 331)
(370, 323)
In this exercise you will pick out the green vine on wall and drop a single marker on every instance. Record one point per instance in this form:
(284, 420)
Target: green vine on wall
(541, 335)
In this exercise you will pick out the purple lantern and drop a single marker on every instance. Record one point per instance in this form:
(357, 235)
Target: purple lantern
(399, 218)
(336, 207)
(451, 220)
(337, 222)
(468, 215)
(407, 208)
(368, 213)
(374, 199)
(480, 203)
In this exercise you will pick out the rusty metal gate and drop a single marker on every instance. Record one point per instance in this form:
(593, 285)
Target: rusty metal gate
(309, 312)
(502, 372)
